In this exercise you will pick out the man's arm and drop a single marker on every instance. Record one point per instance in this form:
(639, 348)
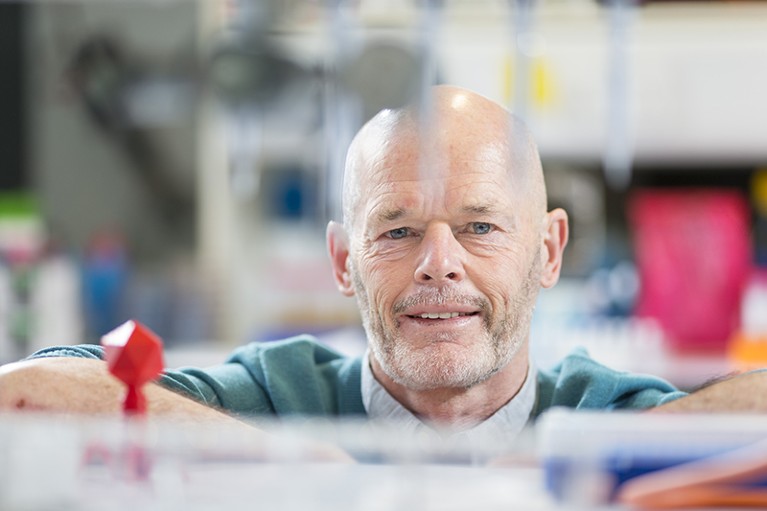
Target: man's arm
(744, 393)
(85, 386)
(79, 385)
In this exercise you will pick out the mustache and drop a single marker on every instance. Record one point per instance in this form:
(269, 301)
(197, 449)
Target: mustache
(439, 297)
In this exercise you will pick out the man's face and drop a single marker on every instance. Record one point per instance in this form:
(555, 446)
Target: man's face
(445, 262)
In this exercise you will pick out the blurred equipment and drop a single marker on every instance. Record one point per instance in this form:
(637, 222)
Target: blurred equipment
(654, 461)
(14, 94)
(747, 349)
(126, 99)
(693, 253)
(85, 465)
(248, 69)
(384, 74)
(618, 157)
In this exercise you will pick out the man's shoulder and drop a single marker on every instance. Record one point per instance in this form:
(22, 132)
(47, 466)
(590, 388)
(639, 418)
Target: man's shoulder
(581, 382)
(302, 368)
(303, 348)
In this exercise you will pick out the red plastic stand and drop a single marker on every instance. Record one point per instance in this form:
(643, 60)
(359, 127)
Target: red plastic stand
(134, 356)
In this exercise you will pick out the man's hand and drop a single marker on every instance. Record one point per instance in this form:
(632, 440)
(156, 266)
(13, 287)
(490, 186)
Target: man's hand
(743, 394)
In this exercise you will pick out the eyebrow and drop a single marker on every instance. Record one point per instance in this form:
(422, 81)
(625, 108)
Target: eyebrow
(392, 214)
(389, 215)
(480, 209)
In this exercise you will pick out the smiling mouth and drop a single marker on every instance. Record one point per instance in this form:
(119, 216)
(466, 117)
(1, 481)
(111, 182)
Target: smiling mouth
(442, 315)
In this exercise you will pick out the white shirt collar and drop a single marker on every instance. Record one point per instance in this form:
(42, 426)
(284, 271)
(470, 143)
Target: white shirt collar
(506, 423)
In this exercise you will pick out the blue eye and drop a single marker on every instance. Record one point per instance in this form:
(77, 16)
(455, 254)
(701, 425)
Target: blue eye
(398, 233)
(481, 227)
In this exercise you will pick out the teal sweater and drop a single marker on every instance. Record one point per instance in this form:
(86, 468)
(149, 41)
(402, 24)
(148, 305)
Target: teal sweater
(300, 376)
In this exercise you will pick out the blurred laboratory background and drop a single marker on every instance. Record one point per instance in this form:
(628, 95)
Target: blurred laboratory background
(176, 162)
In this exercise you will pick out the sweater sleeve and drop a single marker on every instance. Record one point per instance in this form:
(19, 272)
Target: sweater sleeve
(580, 382)
(229, 386)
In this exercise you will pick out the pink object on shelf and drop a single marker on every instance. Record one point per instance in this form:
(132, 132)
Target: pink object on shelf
(693, 252)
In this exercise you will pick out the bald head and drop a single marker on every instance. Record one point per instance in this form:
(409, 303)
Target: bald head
(457, 125)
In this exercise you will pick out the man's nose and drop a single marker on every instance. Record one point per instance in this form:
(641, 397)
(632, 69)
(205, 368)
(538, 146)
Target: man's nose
(441, 257)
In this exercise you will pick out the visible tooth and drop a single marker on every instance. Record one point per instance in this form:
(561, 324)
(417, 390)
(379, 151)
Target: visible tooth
(440, 315)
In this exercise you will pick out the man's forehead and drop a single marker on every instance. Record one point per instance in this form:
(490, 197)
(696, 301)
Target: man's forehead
(411, 161)
(472, 144)
(473, 192)
(394, 208)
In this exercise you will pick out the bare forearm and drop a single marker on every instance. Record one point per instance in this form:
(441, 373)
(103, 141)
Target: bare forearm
(83, 386)
(743, 394)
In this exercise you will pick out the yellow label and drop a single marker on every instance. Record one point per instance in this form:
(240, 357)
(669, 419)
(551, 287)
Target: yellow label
(541, 82)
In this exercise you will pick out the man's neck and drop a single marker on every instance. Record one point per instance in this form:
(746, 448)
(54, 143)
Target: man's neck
(459, 408)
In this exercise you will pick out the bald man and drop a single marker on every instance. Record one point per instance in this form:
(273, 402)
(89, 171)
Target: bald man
(445, 243)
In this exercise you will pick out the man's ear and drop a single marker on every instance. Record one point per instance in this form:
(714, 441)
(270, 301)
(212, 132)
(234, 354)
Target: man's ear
(554, 242)
(338, 249)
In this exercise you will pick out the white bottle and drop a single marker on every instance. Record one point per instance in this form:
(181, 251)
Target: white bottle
(55, 303)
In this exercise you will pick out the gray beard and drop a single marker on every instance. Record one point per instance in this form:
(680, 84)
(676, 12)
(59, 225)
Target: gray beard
(434, 366)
